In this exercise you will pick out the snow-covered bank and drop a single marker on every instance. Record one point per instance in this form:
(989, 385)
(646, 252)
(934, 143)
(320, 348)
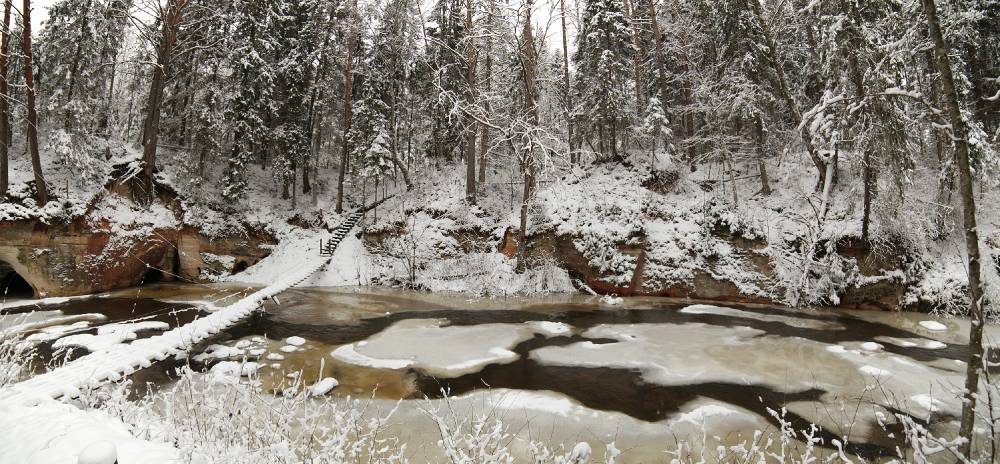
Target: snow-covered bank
(56, 433)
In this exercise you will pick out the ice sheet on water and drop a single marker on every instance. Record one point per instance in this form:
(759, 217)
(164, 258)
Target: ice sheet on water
(435, 348)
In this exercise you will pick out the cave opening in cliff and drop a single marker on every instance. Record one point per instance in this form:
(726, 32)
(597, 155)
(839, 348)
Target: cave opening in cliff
(240, 267)
(12, 285)
(152, 276)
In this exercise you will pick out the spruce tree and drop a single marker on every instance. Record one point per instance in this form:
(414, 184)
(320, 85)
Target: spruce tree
(604, 69)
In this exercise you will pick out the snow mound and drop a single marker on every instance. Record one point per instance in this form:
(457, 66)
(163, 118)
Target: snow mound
(323, 386)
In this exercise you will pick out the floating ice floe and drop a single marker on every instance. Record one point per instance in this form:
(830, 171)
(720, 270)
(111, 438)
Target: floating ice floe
(780, 318)
(435, 348)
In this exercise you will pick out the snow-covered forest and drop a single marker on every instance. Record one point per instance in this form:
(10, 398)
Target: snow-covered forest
(758, 230)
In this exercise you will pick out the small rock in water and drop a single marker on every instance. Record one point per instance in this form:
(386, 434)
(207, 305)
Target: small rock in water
(289, 349)
(102, 452)
(275, 356)
(295, 341)
(871, 346)
(933, 325)
(323, 386)
(612, 300)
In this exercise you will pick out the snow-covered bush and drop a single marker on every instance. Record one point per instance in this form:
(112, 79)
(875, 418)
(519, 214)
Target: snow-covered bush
(220, 419)
(493, 274)
(15, 356)
(602, 212)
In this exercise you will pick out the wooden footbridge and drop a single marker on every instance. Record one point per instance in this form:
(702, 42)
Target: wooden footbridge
(95, 369)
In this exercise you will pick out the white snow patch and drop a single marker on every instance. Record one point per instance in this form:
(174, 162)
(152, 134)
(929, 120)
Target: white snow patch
(933, 325)
(550, 329)
(929, 403)
(875, 371)
(871, 346)
(612, 300)
(132, 327)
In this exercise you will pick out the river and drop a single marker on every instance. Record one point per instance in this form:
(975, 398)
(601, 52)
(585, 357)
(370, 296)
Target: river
(566, 368)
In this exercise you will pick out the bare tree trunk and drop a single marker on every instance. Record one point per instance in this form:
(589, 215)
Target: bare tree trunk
(171, 22)
(29, 82)
(470, 131)
(567, 90)
(4, 108)
(960, 137)
(528, 166)
(348, 78)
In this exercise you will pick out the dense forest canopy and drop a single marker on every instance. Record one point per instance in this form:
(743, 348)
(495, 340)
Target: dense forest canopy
(738, 82)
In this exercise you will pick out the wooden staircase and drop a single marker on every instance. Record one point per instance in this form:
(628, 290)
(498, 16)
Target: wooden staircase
(328, 247)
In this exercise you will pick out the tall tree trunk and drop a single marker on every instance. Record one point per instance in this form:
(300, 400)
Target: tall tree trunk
(470, 131)
(348, 78)
(960, 137)
(315, 122)
(775, 62)
(661, 67)
(4, 108)
(528, 165)
(567, 90)
(171, 22)
(74, 69)
(29, 82)
(640, 101)
(858, 81)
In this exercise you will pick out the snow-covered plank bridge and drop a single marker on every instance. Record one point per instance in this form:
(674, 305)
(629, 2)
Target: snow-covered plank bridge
(94, 369)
